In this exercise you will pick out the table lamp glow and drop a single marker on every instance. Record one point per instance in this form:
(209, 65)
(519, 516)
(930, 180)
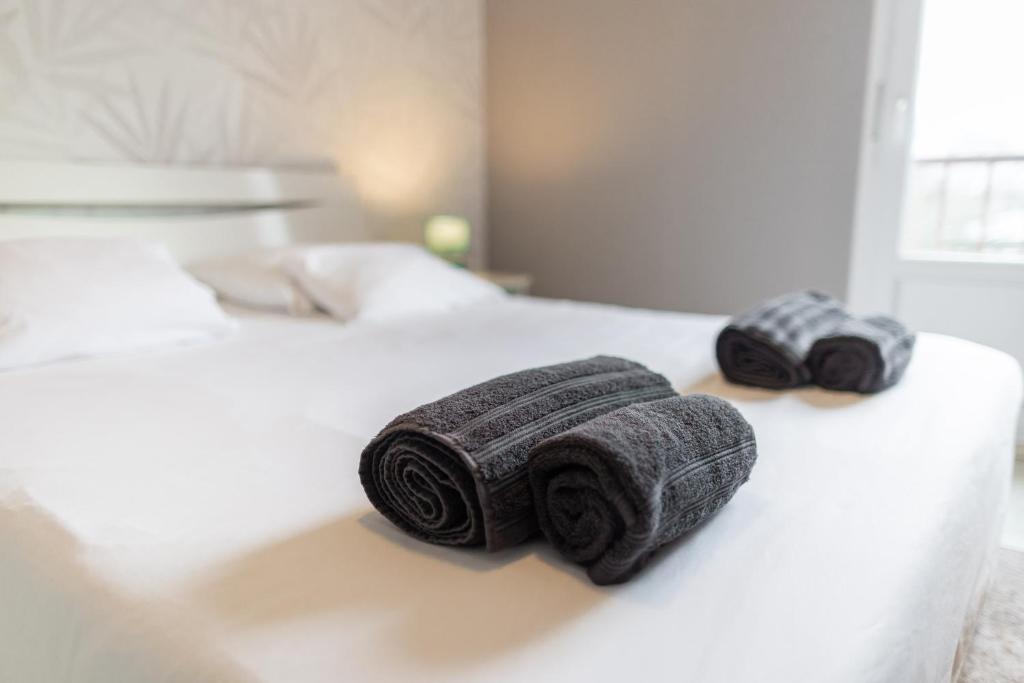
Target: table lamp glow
(448, 237)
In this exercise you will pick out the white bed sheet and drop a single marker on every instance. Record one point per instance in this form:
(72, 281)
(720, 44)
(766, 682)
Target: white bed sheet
(195, 515)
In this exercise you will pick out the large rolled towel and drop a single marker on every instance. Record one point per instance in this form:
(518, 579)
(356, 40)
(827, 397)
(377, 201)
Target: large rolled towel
(454, 471)
(768, 345)
(613, 490)
(865, 355)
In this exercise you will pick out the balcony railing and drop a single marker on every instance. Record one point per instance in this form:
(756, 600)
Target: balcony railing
(970, 204)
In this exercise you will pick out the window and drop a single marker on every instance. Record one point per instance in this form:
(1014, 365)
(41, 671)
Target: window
(965, 194)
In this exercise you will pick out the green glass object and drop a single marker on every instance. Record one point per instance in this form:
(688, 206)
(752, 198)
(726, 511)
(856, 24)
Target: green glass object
(448, 237)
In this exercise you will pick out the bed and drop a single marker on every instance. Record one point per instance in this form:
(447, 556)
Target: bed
(195, 515)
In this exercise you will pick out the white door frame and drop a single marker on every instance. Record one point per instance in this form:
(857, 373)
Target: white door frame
(884, 155)
(881, 280)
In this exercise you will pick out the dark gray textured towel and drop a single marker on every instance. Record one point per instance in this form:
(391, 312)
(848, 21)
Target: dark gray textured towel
(865, 355)
(611, 491)
(454, 471)
(768, 345)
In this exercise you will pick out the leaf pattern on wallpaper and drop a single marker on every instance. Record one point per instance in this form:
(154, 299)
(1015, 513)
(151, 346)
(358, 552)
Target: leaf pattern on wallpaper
(213, 28)
(142, 126)
(287, 56)
(230, 81)
(37, 125)
(439, 39)
(68, 44)
(13, 69)
(399, 15)
(458, 32)
(243, 133)
(276, 46)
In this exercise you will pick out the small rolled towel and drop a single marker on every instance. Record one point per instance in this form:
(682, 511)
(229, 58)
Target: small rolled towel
(613, 490)
(768, 345)
(453, 471)
(865, 355)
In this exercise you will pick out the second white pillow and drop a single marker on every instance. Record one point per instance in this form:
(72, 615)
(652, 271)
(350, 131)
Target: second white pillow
(383, 280)
(256, 279)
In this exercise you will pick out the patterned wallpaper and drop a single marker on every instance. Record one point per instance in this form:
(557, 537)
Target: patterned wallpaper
(390, 90)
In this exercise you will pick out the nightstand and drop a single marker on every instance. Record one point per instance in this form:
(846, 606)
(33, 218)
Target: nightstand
(513, 283)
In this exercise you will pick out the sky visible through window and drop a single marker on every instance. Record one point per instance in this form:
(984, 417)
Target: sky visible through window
(966, 189)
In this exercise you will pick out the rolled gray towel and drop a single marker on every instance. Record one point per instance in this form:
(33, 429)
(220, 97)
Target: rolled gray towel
(768, 345)
(454, 471)
(613, 490)
(866, 355)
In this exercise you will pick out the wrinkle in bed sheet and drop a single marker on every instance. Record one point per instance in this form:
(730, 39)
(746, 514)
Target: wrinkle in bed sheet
(213, 492)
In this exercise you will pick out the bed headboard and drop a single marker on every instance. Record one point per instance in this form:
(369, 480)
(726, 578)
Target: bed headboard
(197, 212)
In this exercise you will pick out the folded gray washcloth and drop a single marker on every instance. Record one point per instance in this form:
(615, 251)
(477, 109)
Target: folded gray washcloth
(454, 471)
(611, 491)
(768, 345)
(865, 355)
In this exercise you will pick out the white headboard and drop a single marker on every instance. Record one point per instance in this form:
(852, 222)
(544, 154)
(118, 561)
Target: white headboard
(197, 212)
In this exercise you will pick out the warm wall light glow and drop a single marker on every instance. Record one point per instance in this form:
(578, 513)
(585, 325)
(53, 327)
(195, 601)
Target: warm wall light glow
(408, 150)
(403, 145)
(448, 237)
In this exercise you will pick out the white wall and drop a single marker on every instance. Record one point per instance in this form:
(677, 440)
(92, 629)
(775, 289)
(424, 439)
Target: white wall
(389, 89)
(678, 154)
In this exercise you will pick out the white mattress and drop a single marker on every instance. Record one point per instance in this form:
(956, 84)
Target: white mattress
(195, 515)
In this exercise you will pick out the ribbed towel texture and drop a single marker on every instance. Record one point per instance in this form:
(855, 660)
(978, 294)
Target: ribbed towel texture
(454, 471)
(613, 490)
(865, 355)
(806, 337)
(767, 346)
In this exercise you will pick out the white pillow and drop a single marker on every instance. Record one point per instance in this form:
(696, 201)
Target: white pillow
(255, 279)
(73, 297)
(384, 281)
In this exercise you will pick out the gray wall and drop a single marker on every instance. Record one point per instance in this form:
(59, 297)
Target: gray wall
(677, 154)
